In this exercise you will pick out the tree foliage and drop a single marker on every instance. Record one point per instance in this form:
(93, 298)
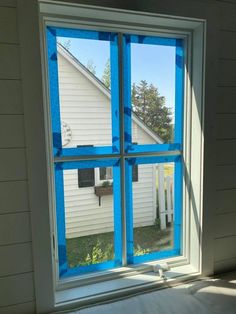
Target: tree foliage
(91, 66)
(106, 77)
(150, 107)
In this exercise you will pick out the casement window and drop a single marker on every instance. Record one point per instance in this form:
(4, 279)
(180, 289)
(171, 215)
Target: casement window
(154, 169)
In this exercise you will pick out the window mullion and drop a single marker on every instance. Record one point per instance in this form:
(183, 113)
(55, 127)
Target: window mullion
(122, 147)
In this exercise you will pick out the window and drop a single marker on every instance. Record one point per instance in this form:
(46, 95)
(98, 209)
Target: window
(145, 116)
(106, 174)
(150, 166)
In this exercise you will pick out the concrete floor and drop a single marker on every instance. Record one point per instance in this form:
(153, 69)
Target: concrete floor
(210, 296)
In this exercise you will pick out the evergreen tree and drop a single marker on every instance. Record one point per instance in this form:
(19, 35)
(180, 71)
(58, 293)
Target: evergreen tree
(150, 107)
(91, 66)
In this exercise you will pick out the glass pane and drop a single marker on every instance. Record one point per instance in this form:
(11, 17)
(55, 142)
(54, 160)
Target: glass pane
(153, 208)
(89, 219)
(106, 173)
(85, 91)
(152, 90)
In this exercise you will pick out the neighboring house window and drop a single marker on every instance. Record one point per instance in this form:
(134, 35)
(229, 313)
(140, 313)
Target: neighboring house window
(105, 174)
(135, 173)
(86, 177)
(139, 88)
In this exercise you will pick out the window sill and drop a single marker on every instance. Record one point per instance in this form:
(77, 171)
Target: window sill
(122, 287)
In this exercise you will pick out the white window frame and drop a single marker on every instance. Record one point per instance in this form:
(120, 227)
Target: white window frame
(50, 294)
(98, 181)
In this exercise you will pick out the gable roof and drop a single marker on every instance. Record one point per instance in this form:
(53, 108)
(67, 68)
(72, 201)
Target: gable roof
(102, 87)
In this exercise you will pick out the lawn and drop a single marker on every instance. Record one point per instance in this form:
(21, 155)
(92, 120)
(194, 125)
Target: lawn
(99, 248)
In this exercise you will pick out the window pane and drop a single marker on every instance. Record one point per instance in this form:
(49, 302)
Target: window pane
(153, 93)
(84, 95)
(106, 173)
(150, 88)
(89, 221)
(85, 102)
(153, 209)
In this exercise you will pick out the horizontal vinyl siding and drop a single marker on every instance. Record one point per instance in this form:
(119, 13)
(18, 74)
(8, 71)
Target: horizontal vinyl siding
(144, 208)
(84, 215)
(16, 265)
(86, 110)
(225, 214)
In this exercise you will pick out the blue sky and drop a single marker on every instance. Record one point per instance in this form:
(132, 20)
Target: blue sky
(155, 64)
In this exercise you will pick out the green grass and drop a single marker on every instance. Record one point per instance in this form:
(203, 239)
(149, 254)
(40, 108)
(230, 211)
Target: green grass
(99, 248)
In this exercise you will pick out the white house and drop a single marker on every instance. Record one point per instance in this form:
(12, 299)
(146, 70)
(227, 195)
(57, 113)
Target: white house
(86, 120)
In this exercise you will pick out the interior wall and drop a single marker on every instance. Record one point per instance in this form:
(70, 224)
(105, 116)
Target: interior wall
(16, 265)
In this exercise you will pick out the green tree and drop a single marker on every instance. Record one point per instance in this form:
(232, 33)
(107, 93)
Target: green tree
(91, 66)
(106, 77)
(150, 107)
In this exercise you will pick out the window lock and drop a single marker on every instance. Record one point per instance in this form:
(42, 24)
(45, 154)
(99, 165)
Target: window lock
(159, 270)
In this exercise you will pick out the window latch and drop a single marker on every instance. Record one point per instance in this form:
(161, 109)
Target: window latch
(160, 269)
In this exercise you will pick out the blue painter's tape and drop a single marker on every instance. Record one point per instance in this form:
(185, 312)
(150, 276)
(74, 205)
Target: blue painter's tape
(155, 256)
(85, 151)
(80, 270)
(152, 40)
(80, 33)
(154, 148)
(126, 72)
(60, 214)
(129, 212)
(117, 215)
(179, 91)
(52, 30)
(86, 164)
(115, 112)
(54, 90)
(178, 204)
(153, 159)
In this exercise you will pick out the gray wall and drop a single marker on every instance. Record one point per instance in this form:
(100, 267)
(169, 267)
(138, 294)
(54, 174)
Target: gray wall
(16, 265)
